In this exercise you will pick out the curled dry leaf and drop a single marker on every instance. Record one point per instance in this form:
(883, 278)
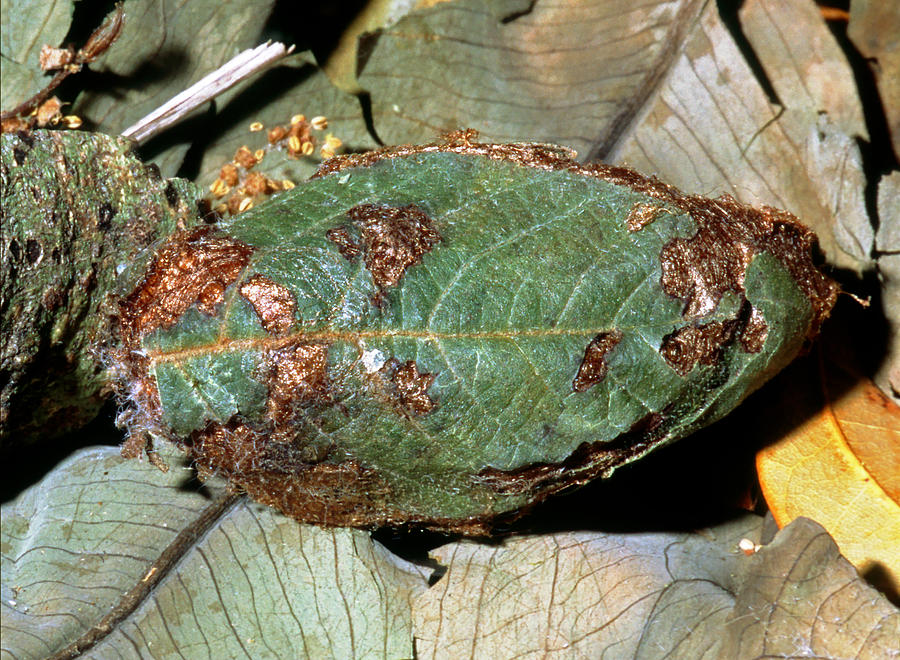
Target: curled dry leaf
(841, 466)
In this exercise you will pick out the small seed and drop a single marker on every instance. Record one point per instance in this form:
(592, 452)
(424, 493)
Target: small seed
(72, 121)
(234, 203)
(219, 188)
(255, 184)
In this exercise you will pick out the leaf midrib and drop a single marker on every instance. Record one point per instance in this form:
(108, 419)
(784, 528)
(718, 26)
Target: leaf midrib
(353, 336)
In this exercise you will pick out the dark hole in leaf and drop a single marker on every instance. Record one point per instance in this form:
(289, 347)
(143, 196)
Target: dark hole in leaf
(171, 195)
(107, 212)
(26, 138)
(14, 250)
(33, 251)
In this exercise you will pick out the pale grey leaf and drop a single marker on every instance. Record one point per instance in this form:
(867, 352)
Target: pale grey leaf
(253, 584)
(568, 73)
(654, 595)
(711, 129)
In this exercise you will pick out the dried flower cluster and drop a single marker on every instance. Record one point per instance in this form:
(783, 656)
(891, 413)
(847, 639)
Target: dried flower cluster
(49, 113)
(239, 187)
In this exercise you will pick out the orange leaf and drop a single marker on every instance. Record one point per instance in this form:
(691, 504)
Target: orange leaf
(840, 466)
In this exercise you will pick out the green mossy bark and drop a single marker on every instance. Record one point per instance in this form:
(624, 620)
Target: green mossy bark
(75, 207)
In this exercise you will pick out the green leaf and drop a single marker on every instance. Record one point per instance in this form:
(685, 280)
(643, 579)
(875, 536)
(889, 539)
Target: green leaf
(227, 580)
(447, 333)
(76, 207)
(28, 25)
(654, 595)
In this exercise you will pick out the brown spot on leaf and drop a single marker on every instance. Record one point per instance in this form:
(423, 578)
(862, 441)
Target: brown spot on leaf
(545, 156)
(393, 238)
(273, 303)
(693, 344)
(277, 474)
(348, 248)
(753, 336)
(194, 266)
(330, 492)
(53, 298)
(412, 388)
(593, 366)
(588, 461)
(297, 375)
(700, 269)
(210, 297)
(642, 215)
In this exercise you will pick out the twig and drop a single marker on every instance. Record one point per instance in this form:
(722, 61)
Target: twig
(159, 569)
(99, 41)
(229, 74)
